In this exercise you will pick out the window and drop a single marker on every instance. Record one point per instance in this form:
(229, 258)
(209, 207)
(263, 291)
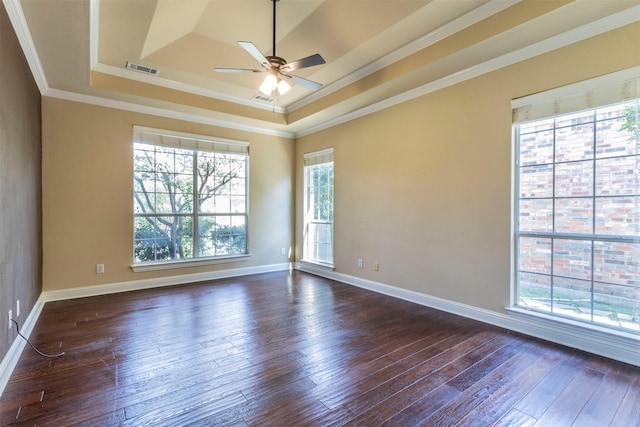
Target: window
(318, 207)
(577, 228)
(189, 196)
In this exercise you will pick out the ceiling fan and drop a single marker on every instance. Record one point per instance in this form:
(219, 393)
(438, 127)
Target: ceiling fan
(278, 68)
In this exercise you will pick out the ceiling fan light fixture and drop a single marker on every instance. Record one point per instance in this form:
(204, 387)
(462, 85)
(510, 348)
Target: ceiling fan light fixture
(278, 68)
(283, 87)
(269, 84)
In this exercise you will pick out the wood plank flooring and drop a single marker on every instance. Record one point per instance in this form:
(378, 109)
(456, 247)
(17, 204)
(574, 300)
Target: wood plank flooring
(293, 349)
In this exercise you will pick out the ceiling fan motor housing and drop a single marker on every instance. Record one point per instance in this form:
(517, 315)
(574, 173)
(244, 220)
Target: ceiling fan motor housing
(276, 61)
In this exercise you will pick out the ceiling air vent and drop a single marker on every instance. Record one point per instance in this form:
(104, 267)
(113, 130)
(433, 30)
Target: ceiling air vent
(142, 68)
(263, 98)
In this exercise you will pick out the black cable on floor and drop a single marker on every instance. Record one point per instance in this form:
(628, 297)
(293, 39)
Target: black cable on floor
(51, 356)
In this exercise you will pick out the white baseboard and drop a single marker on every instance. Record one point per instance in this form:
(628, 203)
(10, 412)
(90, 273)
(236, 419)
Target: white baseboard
(135, 285)
(12, 357)
(624, 347)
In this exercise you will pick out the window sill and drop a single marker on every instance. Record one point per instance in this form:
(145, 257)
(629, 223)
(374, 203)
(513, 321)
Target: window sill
(574, 326)
(167, 265)
(316, 264)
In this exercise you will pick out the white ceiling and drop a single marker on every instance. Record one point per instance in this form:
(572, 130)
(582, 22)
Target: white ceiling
(377, 52)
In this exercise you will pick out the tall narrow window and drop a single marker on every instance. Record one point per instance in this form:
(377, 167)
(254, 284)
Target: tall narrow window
(578, 214)
(189, 196)
(318, 207)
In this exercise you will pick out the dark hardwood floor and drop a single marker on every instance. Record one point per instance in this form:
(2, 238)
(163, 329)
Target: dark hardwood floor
(292, 349)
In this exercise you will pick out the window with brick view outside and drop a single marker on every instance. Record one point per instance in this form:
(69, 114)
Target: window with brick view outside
(578, 216)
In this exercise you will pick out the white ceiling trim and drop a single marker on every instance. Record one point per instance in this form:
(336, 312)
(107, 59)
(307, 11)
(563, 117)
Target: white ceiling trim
(617, 20)
(20, 26)
(182, 87)
(447, 30)
(160, 112)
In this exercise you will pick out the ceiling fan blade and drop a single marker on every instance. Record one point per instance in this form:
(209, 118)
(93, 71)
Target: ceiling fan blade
(253, 51)
(237, 70)
(309, 61)
(303, 82)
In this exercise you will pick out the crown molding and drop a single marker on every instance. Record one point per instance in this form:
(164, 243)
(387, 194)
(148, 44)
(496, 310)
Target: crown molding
(609, 23)
(160, 112)
(21, 28)
(182, 87)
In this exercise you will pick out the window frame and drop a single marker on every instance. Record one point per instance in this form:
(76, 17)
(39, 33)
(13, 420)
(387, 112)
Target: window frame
(312, 159)
(596, 94)
(198, 146)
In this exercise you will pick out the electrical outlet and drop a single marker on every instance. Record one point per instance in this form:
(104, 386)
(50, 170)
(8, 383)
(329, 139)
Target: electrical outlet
(17, 308)
(283, 251)
(10, 317)
(376, 266)
(99, 268)
(359, 263)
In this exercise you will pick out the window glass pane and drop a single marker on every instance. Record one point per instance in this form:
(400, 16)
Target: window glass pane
(618, 176)
(536, 181)
(618, 216)
(574, 143)
(535, 254)
(536, 148)
(222, 235)
(154, 241)
(145, 236)
(535, 215)
(575, 121)
(321, 242)
(617, 262)
(618, 136)
(618, 306)
(572, 297)
(143, 202)
(572, 258)
(537, 126)
(534, 291)
(237, 204)
(574, 215)
(574, 179)
(167, 203)
(175, 232)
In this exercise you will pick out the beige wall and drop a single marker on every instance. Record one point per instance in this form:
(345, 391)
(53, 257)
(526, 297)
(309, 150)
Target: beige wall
(424, 188)
(20, 191)
(88, 194)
